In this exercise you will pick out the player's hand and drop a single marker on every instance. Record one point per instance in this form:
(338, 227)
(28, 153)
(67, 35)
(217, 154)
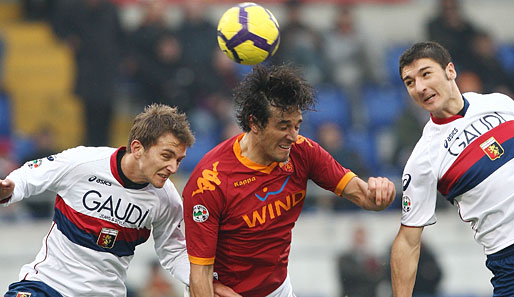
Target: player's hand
(6, 188)
(381, 192)
(221, 290)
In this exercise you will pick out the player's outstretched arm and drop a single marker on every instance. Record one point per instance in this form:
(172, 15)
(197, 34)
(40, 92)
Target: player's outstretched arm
(404, 260)
(200, 280)
(377, 194)
(6, 189)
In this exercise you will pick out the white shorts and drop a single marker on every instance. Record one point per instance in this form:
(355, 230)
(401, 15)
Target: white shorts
(285, 289)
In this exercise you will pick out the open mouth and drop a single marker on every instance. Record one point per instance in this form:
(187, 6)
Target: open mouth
(163, 176)
(429, 97)
(284, 147)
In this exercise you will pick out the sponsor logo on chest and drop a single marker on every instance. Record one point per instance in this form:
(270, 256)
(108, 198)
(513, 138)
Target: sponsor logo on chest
(115, 210)
(456, 144)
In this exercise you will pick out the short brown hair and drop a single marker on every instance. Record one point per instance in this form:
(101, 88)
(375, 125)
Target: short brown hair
(429, 49)
(157, 120)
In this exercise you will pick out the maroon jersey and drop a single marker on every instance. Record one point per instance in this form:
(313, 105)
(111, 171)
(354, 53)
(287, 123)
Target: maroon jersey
(239, 214)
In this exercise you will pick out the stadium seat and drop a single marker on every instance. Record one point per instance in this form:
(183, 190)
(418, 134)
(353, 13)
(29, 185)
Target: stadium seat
(363, 142)
(203, 144)
(392, 55)
(5, 115)
(383, 105)
(332, 106)
(506, 56)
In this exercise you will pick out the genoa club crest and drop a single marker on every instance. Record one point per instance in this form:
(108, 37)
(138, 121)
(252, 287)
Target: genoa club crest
(107, 238)
(492, 148)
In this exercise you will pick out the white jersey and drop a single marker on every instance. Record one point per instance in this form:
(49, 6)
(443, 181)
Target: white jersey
(469, 160)
(99, 220)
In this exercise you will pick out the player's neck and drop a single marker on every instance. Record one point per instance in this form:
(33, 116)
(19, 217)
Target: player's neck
(249, 149)
(129, 167)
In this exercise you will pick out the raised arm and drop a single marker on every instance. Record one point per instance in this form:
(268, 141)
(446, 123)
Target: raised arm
(404, 260)
(377, 194)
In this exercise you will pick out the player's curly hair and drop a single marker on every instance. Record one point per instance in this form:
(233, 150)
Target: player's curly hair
(278, 86)
(428, 49)
(157, 120)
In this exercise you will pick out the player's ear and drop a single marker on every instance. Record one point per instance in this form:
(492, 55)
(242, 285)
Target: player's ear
(137, 148)
(451, 73)
(253, 124)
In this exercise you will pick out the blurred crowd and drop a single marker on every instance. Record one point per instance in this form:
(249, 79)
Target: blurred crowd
(364, 117)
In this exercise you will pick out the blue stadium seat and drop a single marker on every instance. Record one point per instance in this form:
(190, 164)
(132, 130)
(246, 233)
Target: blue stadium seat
(202, 145)
(333, 106)
(506, 56)
(383, 105)
(364, 144)
(392, 55)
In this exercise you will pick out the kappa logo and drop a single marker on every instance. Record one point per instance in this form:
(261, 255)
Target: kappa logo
(492, 148)
(205, 182)
(272, 193)
(23, 294)
(107, 238)
(200, 213)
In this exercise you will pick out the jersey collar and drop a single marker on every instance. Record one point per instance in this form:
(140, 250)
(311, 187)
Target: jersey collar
(459, 115)
(118, 173)
(249, 163)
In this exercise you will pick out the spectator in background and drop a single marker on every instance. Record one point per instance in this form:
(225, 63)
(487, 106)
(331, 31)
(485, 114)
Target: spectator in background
(154, 59)
(429, 275)
(345, 51)
(486, 64)
(300, 45)
(468, 81)
(451, 29)
(331, 137)
(360, 271)
(93, 31)
(157, 284)
(198, 38)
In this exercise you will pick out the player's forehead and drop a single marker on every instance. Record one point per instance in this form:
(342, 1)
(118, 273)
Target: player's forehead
(291, 115)
(168, 142)
(418, 66)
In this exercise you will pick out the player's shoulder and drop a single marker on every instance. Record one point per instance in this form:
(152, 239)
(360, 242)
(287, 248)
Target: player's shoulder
(84, 154)
(422, 151)
(304, 144)
(168, 194)
(487, 98)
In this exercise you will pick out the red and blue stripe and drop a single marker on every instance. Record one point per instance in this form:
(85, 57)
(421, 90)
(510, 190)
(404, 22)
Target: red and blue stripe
(84, 230)
(472, 166)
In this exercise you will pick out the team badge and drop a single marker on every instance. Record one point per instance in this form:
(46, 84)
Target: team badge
(35, 163)
(200, 213)
(287, 166)
(107, 238)
(406, 204)
(23, 294)
(492, 148)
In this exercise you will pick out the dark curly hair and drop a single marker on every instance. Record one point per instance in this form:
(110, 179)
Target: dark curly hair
(278, 86)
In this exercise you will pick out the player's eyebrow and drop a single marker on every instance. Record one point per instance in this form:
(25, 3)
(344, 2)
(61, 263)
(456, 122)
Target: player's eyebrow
(420, 70)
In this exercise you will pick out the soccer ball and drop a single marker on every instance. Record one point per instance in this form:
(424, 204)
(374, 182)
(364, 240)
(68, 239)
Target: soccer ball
(248, 33)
